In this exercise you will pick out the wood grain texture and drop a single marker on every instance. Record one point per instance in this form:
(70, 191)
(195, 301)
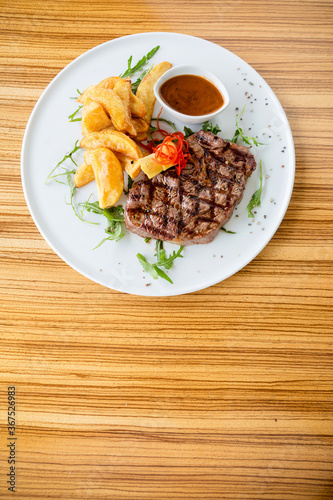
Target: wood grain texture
(224, 393)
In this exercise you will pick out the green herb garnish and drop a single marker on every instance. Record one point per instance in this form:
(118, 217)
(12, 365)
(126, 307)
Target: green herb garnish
(147, 240)
(239, 133)
(66, 157)
(155, 129)
(114, 234)
(72, 189)
(77, 90)
(62, 174)
(137, 82)
(255, 200)
(114, 215)
(140, 64)
(187, 132)
(129, 184)
(151, 268)
(71, 117)
(66, 179)
(162, 261)
(226, 231)
(209, 127)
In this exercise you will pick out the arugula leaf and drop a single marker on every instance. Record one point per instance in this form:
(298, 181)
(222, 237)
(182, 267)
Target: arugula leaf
(68, 181)
(162, 261)
(149, 268)
(255, 200)
(187, 132)
(66, 157)
(239, 133)
(135, 85)
(77, 90)
(115, 236)
(226, 231)
(209, 127)
(154, 129)
(129, 184)
(114, 215)
(72, 188)
(152, 269)
(71, 117)
(66, 172)
(163, 275)
(65, 178)
(140, 64)
(160, 252)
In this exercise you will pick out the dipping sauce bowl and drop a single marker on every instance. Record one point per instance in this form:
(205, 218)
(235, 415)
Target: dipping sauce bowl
(191, 94)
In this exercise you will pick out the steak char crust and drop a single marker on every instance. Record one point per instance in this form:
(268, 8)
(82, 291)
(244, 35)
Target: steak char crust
(192, 207)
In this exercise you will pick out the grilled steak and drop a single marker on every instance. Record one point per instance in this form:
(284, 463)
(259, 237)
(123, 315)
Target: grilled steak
(192, 207)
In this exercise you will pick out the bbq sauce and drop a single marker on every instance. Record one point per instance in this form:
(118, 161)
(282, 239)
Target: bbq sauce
(191, 95)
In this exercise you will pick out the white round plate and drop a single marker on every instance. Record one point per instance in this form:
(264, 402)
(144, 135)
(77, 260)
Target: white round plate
(49, 135)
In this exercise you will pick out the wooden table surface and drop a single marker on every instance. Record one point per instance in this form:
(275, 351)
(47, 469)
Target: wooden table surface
(222, 393)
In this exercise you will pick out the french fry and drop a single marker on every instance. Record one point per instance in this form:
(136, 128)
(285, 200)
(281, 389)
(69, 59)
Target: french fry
(123, 90)
(110, 82)
(131, 167)
(145, 90)
(108, 174)
(83, 175)
(112, 139)
(112, 104)
(140, 125)
(137, 107)
(94, 117)
(141, 137)
(107, 83)
(82, 97)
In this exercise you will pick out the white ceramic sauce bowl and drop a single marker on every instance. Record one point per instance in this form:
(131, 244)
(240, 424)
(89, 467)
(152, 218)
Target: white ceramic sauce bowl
(191, 70)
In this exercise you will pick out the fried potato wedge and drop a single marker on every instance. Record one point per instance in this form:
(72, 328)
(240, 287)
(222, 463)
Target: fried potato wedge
(131, 167)
(145, 90)
(107, 83)
(112, 104)
(140, 125)
(141, 137)
(110, 82)
(137, 107)
(112, 139)
(87, 156)
(83, 175)
(94, 117)
(82, 97)
(141, 128)
(108, 174)
(123, 90)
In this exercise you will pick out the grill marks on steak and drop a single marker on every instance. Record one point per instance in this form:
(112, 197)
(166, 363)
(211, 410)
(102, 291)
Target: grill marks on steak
(192, 207)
